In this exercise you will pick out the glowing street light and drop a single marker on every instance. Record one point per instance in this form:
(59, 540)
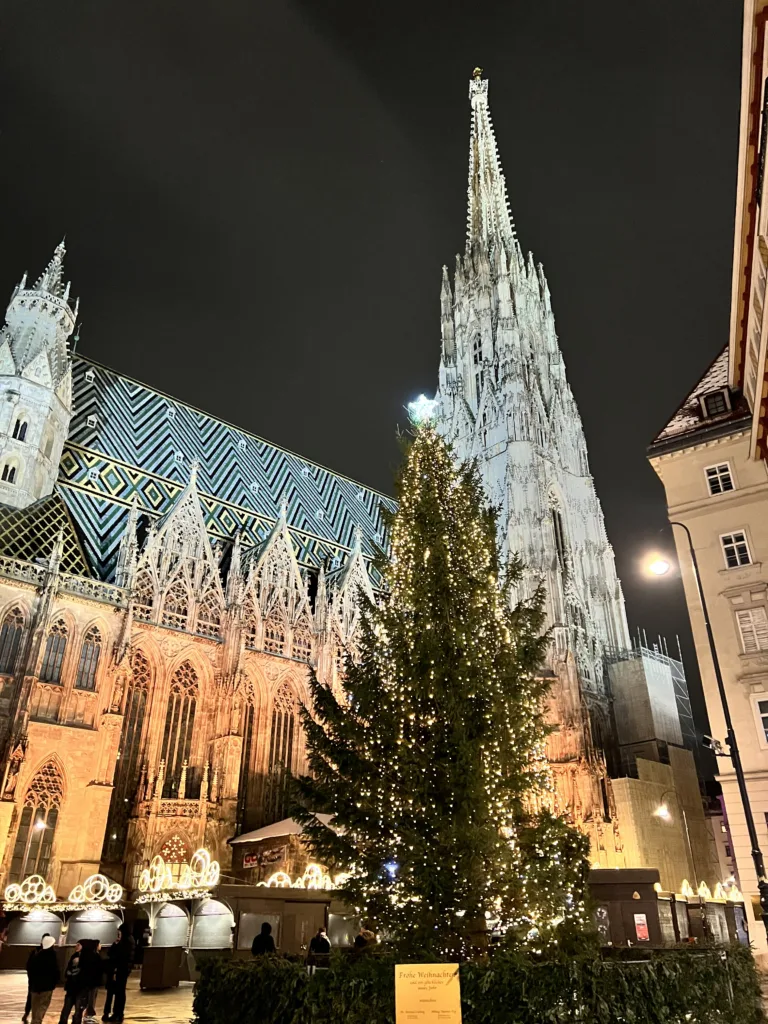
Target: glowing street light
(662, 811)
(659, 567)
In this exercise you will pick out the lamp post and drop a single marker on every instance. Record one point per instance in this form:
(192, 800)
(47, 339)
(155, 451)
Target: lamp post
(659, 568)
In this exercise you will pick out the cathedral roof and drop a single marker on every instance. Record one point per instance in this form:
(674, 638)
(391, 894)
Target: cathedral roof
(29, 534)
(690, 420)
(127, 441)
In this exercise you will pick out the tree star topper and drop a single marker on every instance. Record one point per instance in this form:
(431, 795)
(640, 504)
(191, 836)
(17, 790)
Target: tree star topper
(423, 410)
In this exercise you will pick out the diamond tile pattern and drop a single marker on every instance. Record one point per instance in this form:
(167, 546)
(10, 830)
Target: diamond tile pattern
(30, 533)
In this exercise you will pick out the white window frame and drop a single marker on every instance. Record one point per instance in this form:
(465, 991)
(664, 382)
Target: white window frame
(732, 533)
(757, 698)
(717, 467)
(92, 421)
(751, 612)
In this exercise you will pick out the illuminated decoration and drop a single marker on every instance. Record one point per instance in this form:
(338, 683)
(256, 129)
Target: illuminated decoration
(734, 895)
(686, 889)
(97, 889)
(423, 410)
(314, 877)
(33, 891)
(704, 891)
(157, 884)
(720, 893)
(438, 740)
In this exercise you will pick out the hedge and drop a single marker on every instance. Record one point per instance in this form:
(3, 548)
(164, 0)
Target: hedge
(682, 986)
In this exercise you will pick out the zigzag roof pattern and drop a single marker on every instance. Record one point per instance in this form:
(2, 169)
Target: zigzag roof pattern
(127, 441)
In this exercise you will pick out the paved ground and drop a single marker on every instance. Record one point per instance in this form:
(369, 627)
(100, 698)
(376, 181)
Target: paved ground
(172, 1006)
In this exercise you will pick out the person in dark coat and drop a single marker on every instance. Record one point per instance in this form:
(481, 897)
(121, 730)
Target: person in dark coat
(28, 1004)
(89, 979)
(320, 942)
(71, 984)
(263, 943)
(43, 975)
(122, 953)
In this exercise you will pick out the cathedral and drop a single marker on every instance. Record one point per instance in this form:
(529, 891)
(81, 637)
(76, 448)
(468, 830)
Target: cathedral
(167, 579)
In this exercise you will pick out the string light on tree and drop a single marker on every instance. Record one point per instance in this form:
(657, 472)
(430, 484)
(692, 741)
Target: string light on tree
(433, 767)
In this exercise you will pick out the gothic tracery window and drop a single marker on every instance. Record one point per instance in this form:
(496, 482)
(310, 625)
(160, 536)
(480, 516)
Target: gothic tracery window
(89, 660)
(55, 648)
(560, 541)
(127, 770)
(179, 725)
(37, 824)
(176, 605)
(250, 626)
(209, 614)
(20, 430)
(143, 598)
(11, 633)
(281, 750)
(477, 363)
(274, 637)
(302, 644)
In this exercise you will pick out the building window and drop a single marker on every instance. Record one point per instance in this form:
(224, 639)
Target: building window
(9, 473)
(90, 376)
(55, 647)
(37, 825)
(179, 456)
(753, 626)
(274, 637)
(302, 645)
(762, 711)
(92, 421)
(89, 660)
(176, 605)
(179, 725)
(10, 640)
(127, 769)
(93, 475)
(719, 478)
(560, 543)
(735, 549)
(716, 403)
(281, 741)
(144, 596)
(477, 362)
(209, 613)
(20, 430)
(727, 850)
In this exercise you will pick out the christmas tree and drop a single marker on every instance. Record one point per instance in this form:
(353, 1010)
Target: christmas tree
(432, 763)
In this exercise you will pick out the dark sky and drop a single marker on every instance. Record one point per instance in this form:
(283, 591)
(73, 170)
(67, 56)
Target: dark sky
(258, 198)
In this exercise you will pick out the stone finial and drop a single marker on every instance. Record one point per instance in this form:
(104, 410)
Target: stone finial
(183, 781)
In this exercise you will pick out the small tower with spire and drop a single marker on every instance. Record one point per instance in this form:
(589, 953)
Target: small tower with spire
(35, 384)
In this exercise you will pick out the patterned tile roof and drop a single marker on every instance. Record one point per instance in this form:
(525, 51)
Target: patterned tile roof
(30, 533)
(127, 440)
(689, 418)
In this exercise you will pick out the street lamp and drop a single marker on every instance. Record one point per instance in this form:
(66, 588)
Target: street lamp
(659, 567)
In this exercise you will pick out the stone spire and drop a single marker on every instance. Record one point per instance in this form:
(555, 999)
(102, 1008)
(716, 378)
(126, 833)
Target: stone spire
(488, 215)
(51, 280)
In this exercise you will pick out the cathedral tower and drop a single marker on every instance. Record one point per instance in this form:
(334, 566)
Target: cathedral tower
(35, 385)
(504, 400)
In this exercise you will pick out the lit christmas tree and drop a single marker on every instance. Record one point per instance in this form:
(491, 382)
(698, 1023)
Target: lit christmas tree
(432, 765)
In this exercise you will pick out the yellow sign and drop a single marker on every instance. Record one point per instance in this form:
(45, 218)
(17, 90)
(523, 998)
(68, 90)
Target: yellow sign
(427, 994)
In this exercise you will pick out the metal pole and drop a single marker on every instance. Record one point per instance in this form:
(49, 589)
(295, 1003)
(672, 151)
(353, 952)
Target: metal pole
(730, 738)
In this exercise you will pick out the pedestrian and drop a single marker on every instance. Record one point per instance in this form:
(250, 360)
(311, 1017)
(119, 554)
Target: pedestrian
(71, 984)
(28, 1004)
(320, 943)
(120, 962)
(43, 975)
(89, 978)
(263, 943)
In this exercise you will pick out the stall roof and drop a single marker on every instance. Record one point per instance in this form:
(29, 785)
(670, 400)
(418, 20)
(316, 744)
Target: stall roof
(286, 827)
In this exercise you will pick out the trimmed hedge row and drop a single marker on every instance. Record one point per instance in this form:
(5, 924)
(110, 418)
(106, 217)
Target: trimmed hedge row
(674, 987)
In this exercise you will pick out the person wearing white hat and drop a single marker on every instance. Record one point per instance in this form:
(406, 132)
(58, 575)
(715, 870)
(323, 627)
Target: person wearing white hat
(43, 975)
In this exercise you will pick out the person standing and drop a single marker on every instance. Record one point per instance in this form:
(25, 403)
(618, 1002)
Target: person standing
(121, 956)
(43, 975)
(89, 979)
(320, 943)
(28, 1004)
(71, 984)
(263, 943)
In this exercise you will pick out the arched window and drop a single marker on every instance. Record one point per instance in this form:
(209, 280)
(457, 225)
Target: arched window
(281, 740)
(143, 596)
(251, 621)
(560, 541)
(55, 647)
(179, 725)
(10, 640)
(127, 770)
(48, 445)
(20, 430)
(89, 660)
(209, 613)
(9, 473)
(477, 364)
(176, 605)
(302, 644)
(37, 824)
(274, 637)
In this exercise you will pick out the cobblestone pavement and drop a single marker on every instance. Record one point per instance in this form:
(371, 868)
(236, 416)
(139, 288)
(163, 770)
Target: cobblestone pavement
(170, 1006)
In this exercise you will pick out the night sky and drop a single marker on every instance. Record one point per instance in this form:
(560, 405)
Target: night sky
(258, 199)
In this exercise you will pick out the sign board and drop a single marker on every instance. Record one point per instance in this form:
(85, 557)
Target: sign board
(427, 994)
(255, 860)
(641, 928)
